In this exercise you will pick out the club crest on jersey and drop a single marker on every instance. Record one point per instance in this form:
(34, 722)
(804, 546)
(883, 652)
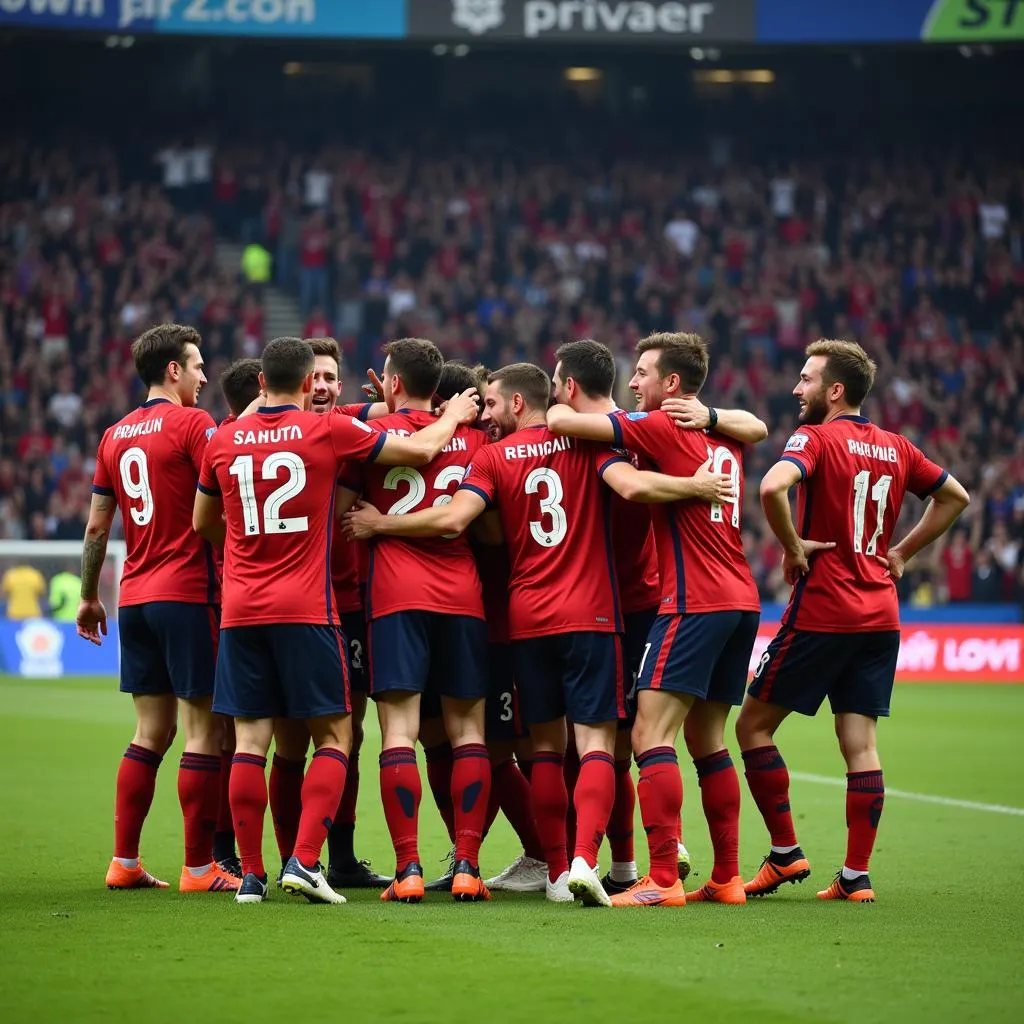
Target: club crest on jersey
(636, 415)
(210, 431)
(797, 443)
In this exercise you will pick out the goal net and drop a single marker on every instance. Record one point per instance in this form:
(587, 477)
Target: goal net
(39, 595)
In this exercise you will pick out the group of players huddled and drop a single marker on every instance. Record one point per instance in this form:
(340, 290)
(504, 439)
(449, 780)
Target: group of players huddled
(535, 585)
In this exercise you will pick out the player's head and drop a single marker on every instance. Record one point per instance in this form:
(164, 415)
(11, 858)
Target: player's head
(513, 393)
(457, 376)
(412, 370)
(836, 378)
(583, 369)
(326, 373)
(168, 356)
(288, 369)
(240, 383)
(668, 366)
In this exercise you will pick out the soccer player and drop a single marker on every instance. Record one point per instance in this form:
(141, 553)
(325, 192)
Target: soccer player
(427, 633)
(564, 615)
(240, 385)
(694, 664)
(267, 488)
(147, 465)
(840, 632)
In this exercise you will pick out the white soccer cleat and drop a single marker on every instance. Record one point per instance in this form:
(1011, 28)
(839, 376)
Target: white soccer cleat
(524, 874)
(558, 891)
(299, 881)
(585, 884)
(685, 867)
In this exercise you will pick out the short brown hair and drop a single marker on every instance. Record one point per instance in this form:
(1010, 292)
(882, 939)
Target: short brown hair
(684, 354)
(240, 383)
(325, 347)
(418, 362)
(848, 364)
(525, 379)
(286, 362)
(154, 349)
(457, 376)
(590, 364)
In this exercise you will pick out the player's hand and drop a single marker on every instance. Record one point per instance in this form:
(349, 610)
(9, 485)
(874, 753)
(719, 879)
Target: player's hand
(359, 522)
(687, 413)
(374, 390)
(894, 562)
(713, 487)
(797, 563)
(91, 621)
(463, 408)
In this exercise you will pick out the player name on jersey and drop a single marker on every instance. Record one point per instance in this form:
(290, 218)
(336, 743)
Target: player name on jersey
(539, 450)
(872, 451)
(273, 435)
(124, 430)
(456, 444)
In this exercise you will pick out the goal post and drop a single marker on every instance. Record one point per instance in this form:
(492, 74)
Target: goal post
(39, 582)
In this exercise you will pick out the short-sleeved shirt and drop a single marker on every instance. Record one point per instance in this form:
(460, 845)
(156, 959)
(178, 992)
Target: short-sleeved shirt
(854, 478)
(276, 472)
(556, 517)
(434, 574)
(149, 462)
(700, 550)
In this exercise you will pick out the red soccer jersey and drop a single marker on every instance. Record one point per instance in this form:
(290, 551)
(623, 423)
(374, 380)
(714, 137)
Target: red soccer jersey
(434, 574)
(855, 476)
(493, 565)
(150, 461)
(700, 552)
(277, 472)
(345, 571)
(555, 513)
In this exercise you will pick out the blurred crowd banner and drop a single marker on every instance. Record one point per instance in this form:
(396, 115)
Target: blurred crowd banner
(625, 22)
(42, 649)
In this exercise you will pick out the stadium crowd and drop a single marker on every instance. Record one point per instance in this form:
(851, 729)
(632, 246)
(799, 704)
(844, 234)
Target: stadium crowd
(499, 259)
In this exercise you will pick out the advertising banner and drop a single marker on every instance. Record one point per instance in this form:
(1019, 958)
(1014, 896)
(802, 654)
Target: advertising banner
(940, 653)
(42, 649)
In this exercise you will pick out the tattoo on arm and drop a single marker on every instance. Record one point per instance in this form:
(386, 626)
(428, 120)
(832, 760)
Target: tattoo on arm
(94, 550)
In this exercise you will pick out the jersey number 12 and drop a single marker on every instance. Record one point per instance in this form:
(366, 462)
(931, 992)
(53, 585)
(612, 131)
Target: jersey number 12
(273, 521)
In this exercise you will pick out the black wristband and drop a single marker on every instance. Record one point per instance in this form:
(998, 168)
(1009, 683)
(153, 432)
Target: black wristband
(712, 418)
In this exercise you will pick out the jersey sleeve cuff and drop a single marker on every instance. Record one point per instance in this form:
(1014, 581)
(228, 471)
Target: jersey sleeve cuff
(211, 491)
(942, 478)
(610, 461)
(363, 413)
(107, 492)
(617, 429)
(796, 462)
(477, 491)
(377, 445)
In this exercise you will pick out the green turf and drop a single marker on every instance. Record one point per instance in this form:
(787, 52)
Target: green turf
(943, 943)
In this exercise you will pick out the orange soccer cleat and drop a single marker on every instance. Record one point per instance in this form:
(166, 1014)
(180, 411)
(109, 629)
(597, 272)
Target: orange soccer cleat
(120, 877)
(407, 886)
(730, 892)
(854, 890)
(214, 879)
(773, 872)
(647, 893)
(467, 886)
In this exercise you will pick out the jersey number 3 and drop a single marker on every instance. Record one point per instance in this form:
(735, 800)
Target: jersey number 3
(551, 528)
(273, 521)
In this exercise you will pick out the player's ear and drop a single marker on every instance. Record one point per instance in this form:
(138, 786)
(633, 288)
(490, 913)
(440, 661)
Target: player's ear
(673, 385)
(263, 383)
(307, 383)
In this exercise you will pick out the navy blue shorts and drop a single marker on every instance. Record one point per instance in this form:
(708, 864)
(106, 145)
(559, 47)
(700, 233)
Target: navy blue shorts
(634, 643)
(856, 671)
(577, 675)
(705, 654)
(168, 647)
(428, 652)
(353, 625)
(287, 670)
(502, 720)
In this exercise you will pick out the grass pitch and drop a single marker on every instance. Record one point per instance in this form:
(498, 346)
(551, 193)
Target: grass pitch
(945, 942)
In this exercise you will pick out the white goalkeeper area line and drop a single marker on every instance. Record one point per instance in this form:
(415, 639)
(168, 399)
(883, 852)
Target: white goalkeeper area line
(921, 798)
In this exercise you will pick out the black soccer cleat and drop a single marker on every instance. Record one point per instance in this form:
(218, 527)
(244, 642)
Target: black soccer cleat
(613, 888)
(444, 883)
(357, 875)
(232, 865)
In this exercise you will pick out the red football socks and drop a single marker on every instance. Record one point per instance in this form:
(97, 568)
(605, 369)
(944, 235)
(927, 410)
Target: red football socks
(471, 793)
(660, 792)
(198, 794)
(224, 837)
(347, 808)
(321, 794)
(439, 778)
(401, 792)
(768, 779)
(865, 797)
(593, 797)
(136, 783)
(570, 772)
(248, 808)
(620, 823)
(286, 802)
(512, 790)
(550, 801)
(720, 795)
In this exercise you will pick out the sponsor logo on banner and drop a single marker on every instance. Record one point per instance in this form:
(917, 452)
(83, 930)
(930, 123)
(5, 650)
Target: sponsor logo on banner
(941, 653)
(599, 20)
(40, 644)
(974, 21)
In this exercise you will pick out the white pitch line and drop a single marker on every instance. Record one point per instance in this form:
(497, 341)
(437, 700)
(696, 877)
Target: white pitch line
(921, 798)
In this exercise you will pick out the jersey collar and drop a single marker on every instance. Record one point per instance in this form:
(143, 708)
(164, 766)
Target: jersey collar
(155, 401)
(277, 408)
(853, 419)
